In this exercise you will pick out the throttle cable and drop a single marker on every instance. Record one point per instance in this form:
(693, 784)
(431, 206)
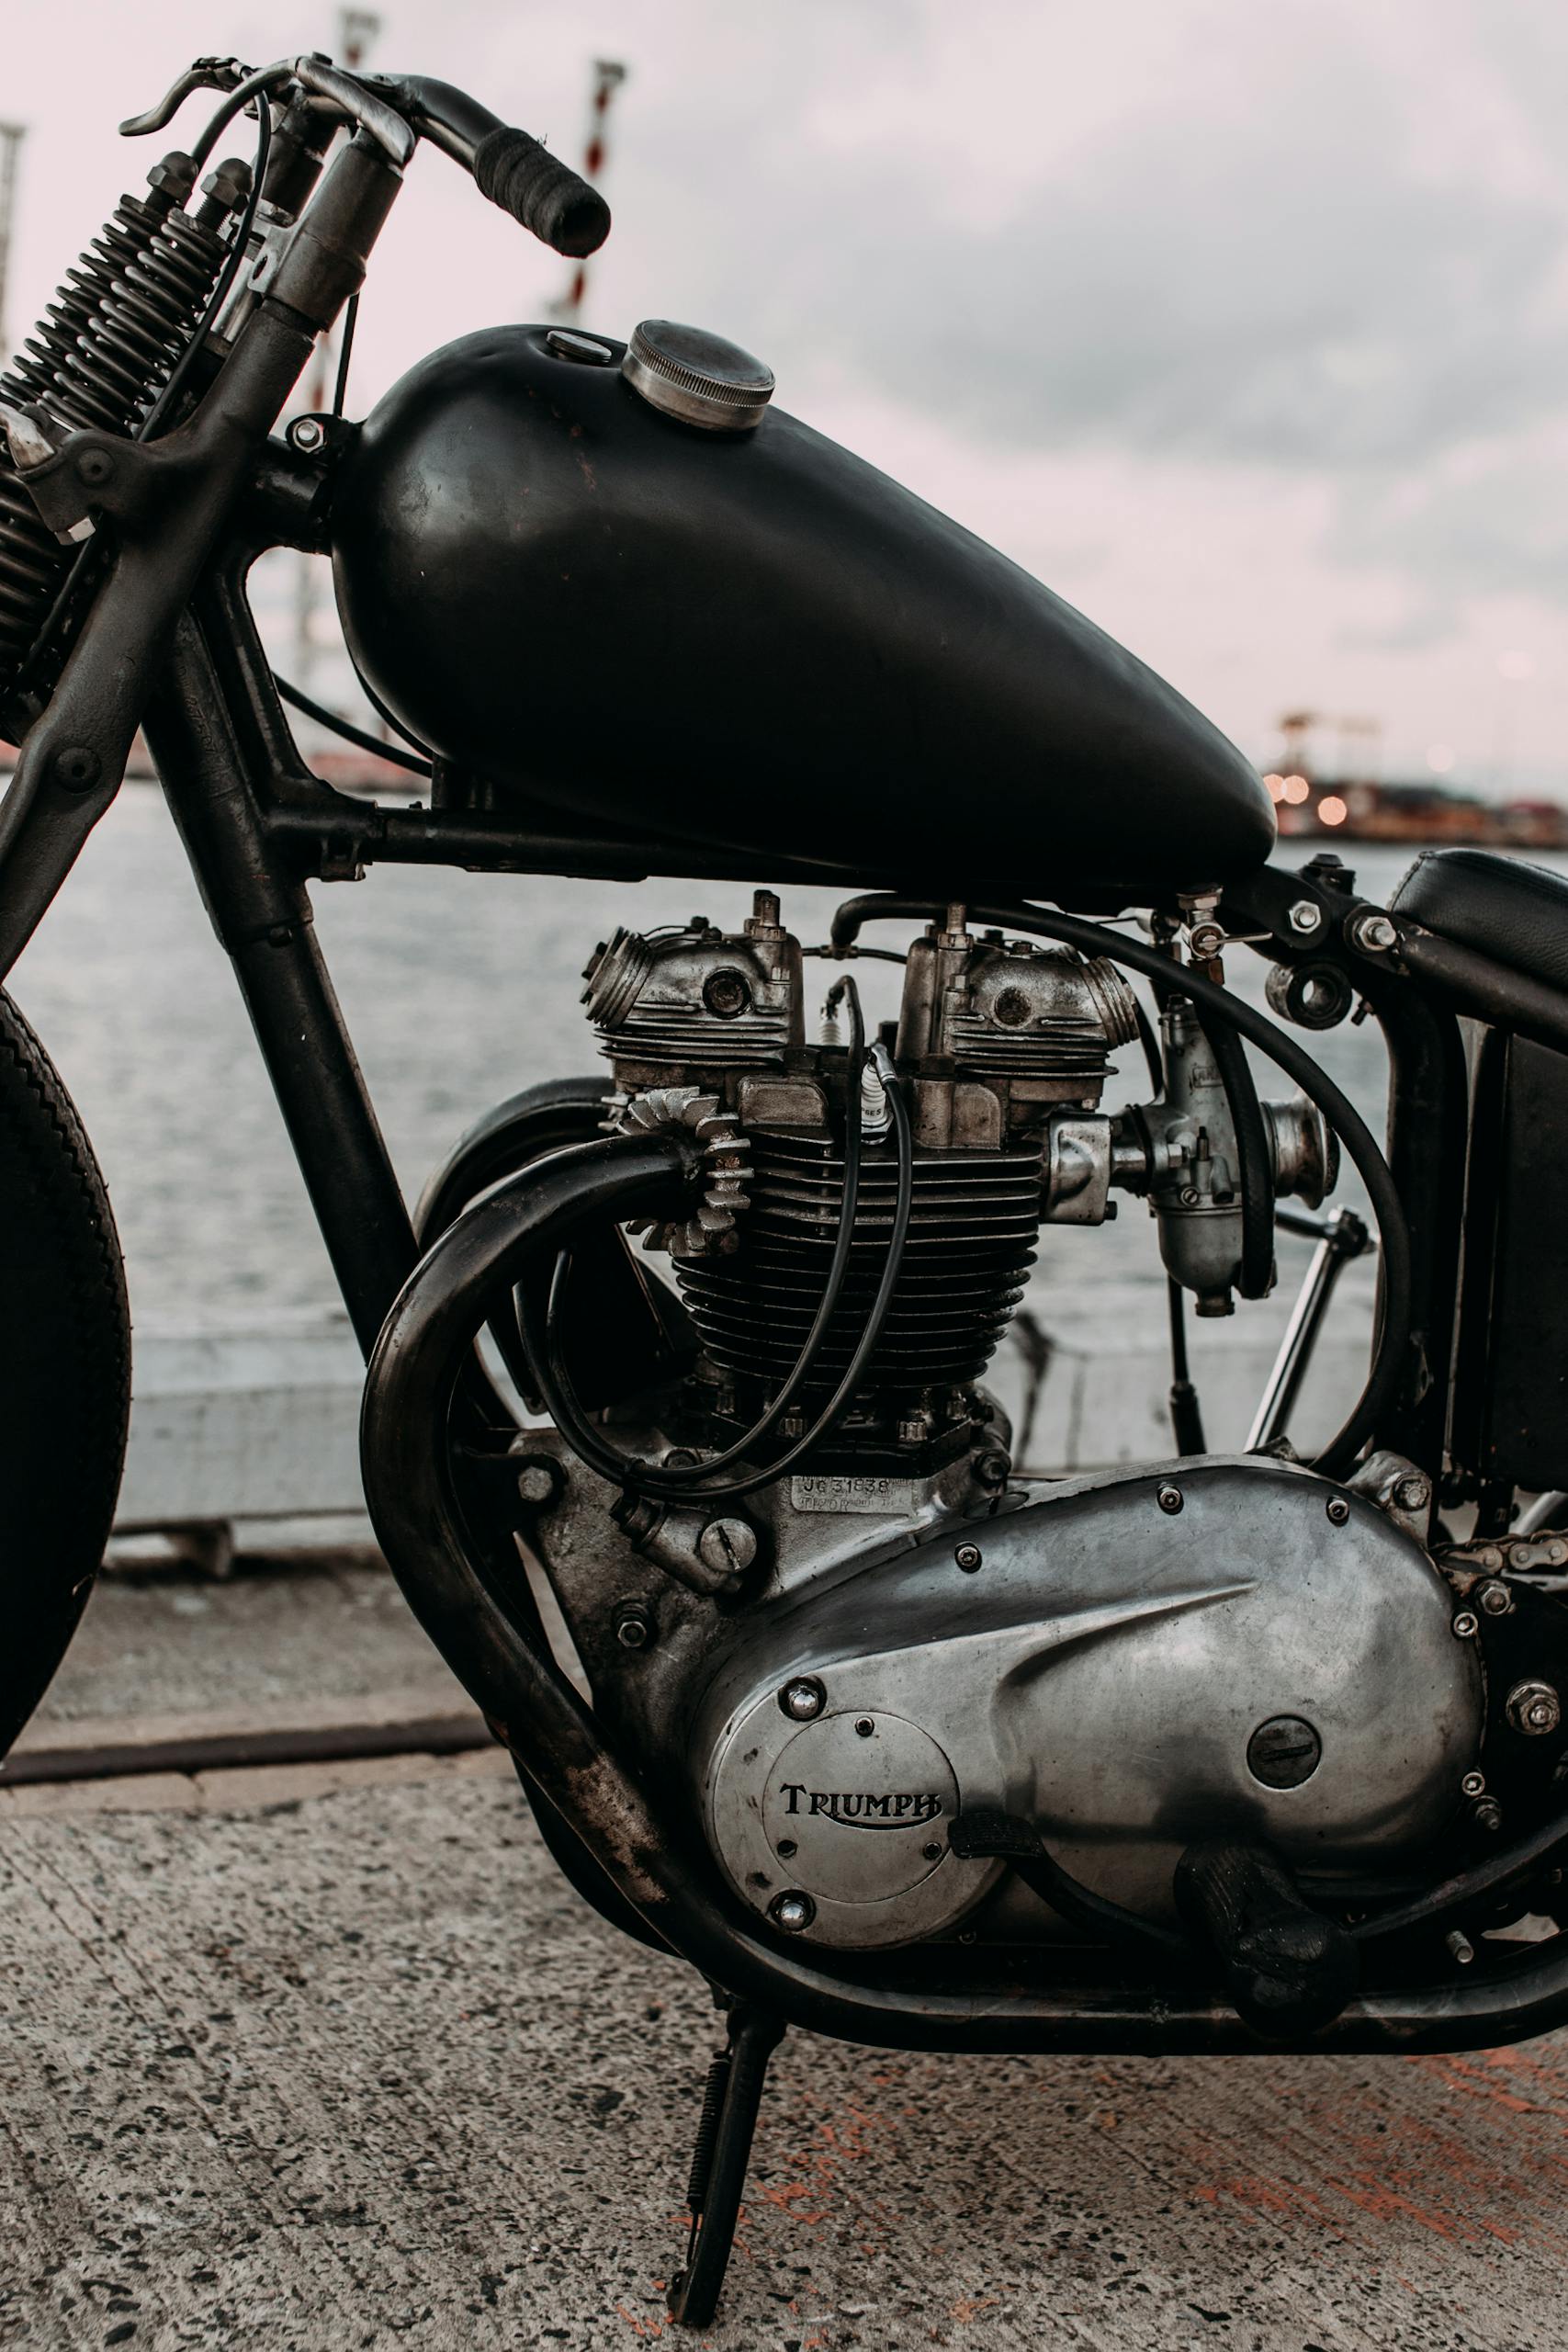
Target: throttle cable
(690, 1483)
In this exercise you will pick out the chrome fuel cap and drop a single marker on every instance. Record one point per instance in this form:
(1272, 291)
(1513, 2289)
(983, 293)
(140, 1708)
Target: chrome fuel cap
(697, 377)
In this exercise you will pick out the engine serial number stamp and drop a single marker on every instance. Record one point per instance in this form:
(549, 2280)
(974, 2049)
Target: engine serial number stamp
(808, 1492)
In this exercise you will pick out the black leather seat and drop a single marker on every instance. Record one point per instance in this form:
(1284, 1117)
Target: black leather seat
(1516, 914)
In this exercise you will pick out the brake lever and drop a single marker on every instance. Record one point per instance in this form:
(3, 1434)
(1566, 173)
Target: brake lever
(207, 73)
(317, 75)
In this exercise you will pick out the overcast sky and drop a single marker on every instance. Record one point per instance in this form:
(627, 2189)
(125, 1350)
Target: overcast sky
(1244, 323)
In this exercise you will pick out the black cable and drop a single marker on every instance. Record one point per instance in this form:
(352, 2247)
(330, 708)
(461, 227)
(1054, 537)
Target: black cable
(1390, 1348)
(1149, 1041)
(226, 276)
(1186, 1410)
(1255, 1172)
(554, 1385)
(861, 954)
(652, 1479)
(348, 730)
(345, 352)
(1470, 1886)
(379, 708)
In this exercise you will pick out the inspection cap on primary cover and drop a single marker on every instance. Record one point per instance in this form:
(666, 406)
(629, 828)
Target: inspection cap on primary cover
(697, 377)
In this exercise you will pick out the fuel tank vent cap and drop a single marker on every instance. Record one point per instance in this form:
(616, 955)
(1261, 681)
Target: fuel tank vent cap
(697, 377)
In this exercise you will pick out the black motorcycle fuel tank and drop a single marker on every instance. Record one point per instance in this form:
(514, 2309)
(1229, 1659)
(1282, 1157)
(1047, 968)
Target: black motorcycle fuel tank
(753, 640)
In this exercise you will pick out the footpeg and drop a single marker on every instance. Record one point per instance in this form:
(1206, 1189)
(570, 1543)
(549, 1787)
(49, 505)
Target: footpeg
(1287, 1969)
(730, 2099)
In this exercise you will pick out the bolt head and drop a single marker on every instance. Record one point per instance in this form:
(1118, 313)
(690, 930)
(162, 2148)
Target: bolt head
(1473, 1784)
(1466, 1625)
(1412, 1494)
(1306, 918)
(727, 1545)
(1169, 1497)
(1338, 1511)
(1534, 1708)
(968, 1557)
(539, 1480)
(992, 1470)
(177, 173)
(803, 1700)
(78, 766)
(792, 1911)
(1496, 1600)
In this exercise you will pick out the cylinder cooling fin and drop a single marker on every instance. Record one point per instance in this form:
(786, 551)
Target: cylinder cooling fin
(971, 1243)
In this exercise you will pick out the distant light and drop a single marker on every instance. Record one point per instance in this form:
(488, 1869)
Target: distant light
(1331, 810)
(1516, 665)
(1275, 786)
(1295, 788)
(1440, 758)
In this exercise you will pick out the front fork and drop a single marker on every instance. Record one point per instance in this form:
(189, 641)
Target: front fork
(168, 503)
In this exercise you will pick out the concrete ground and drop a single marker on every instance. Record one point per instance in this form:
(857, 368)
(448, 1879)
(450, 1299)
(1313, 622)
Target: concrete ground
(328, 2056)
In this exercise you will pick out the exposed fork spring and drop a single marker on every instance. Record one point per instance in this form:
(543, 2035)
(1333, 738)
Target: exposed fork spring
(98, 358)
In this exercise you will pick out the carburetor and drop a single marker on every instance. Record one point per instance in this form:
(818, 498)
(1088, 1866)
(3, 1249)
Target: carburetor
(1183, 1153)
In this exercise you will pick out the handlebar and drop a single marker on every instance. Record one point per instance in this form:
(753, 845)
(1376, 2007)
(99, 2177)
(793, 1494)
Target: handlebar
(516, 171)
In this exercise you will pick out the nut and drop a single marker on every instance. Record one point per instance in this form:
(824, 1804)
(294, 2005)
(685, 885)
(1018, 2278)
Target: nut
(968, 1557)
(792, 1911)
(1305, 917)
(633, 1627)
(992, 1470)
(1496, 1600)
(1169, 1497)
(803, 1700)
(307, 435)
(1487, 1813)
(1534, 1708)
(1338, 1511)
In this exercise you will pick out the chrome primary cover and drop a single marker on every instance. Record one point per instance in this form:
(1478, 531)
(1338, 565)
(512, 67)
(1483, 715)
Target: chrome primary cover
(1134, 1662)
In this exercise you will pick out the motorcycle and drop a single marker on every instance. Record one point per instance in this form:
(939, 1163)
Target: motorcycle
(886, 1737)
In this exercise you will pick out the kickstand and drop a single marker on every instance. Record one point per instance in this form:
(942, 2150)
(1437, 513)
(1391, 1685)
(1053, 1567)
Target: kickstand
(730, 2100)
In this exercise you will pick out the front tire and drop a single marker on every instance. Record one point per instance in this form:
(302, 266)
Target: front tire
(65, 1370)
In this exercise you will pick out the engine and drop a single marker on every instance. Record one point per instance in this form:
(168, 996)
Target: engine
(900, 1627)
(993, 1039)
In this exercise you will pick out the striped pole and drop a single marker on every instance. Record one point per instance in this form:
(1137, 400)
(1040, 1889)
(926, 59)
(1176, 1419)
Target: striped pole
(607, 78)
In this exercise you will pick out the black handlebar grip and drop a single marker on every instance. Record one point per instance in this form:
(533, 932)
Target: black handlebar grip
(539, 190)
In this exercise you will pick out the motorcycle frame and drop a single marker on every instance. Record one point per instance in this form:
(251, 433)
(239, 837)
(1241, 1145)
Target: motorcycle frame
(170, 644)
